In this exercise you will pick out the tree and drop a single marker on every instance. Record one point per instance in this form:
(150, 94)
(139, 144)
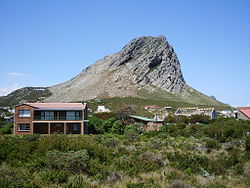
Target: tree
(123, 115)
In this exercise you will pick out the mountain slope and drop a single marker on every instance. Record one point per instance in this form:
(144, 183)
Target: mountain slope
(31, 94)
(146, 67)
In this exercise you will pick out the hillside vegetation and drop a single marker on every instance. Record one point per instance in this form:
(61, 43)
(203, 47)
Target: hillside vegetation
(183, 154)
(138, 104)
(30, 94)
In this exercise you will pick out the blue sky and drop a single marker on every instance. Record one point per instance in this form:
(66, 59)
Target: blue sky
(46, 42)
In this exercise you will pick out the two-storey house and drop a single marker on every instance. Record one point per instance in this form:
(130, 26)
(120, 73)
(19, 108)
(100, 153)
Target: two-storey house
(49, 118)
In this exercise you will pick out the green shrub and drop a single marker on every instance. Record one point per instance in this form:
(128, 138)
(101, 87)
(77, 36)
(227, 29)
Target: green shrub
(134, 164)
(98, 170)
(148, 183)
(212, 144)
(169, 119)
(8, 146)
(216, 185)
(74, 162)
(106, 115)
(215, 132)
(118, 128)
(15, 177)
(79, 181)
(181, 119)
(135, 185)
(54, 176)
(7, 128)
(192, 161)
(199, 119)
(31, 137)
(103, 126)
(247, 143)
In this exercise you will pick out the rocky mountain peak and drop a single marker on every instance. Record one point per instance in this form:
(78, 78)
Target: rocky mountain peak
(144, 64)
(152, 61)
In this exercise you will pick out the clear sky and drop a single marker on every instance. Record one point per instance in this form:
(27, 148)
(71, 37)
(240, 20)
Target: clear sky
(46, 42)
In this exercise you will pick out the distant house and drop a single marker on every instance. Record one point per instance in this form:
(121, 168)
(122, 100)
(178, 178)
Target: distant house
(167, 108)
(244, 113)
(101, 109)
(49, 118)
(227, 113)
(149, 124)
(151, 107)
(196, 111)
(9, 119)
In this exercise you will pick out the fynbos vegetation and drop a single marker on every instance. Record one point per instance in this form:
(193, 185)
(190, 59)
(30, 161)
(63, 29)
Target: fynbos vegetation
(184, 153)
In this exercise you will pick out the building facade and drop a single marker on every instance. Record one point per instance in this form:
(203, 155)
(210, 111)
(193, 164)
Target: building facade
(244, 113)
(196, 111)
(50, 118)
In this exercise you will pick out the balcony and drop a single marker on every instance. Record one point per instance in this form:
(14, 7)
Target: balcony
(58, 115)
(57, 118)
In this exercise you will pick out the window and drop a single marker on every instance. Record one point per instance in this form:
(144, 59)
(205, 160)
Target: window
(70, 115)
(49, 115)
(24, 127)
(77, 115)
(24, 113)
(76, 127)
(73, 115)
(39, 115)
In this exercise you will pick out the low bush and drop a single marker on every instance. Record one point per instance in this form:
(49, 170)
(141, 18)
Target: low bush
(71, 161)
(55, 176)
(247, 143)
(212, 144)
(190, 161)
(6, 128)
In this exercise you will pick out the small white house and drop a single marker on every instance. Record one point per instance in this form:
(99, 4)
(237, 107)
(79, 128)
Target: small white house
(101, 109)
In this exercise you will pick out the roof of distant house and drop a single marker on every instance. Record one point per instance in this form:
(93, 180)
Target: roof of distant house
(193, 110)
(57, 106)
(151, 106)
(144, 118)
(245, 111)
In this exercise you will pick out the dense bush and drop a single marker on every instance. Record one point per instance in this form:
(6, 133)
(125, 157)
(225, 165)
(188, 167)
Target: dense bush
(126, 155)
(106, 115)
(247, 143)
(189, 161)
(6, 128)
(106, 126)
(73, 161)
(199, 119)
(212, 144)
(184, 119)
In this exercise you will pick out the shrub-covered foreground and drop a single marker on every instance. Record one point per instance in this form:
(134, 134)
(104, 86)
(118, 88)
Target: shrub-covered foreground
(199, 155)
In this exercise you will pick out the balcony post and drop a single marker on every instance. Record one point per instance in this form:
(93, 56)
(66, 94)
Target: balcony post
(65, 127)
(32, 128)
(82, 127)
(48, 128)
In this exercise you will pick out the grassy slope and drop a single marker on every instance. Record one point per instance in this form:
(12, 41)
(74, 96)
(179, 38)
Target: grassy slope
(137, 104)
(27, 93)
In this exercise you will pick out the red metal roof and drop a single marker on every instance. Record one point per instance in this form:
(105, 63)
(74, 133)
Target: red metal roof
(245, 111)
(58, 106)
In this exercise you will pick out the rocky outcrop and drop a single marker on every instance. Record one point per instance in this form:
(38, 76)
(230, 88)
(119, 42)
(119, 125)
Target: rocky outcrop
(148, 63)
(152, 61)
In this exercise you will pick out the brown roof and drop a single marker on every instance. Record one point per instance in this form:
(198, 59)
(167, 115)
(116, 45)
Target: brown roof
(152, 106)
(57, 106)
